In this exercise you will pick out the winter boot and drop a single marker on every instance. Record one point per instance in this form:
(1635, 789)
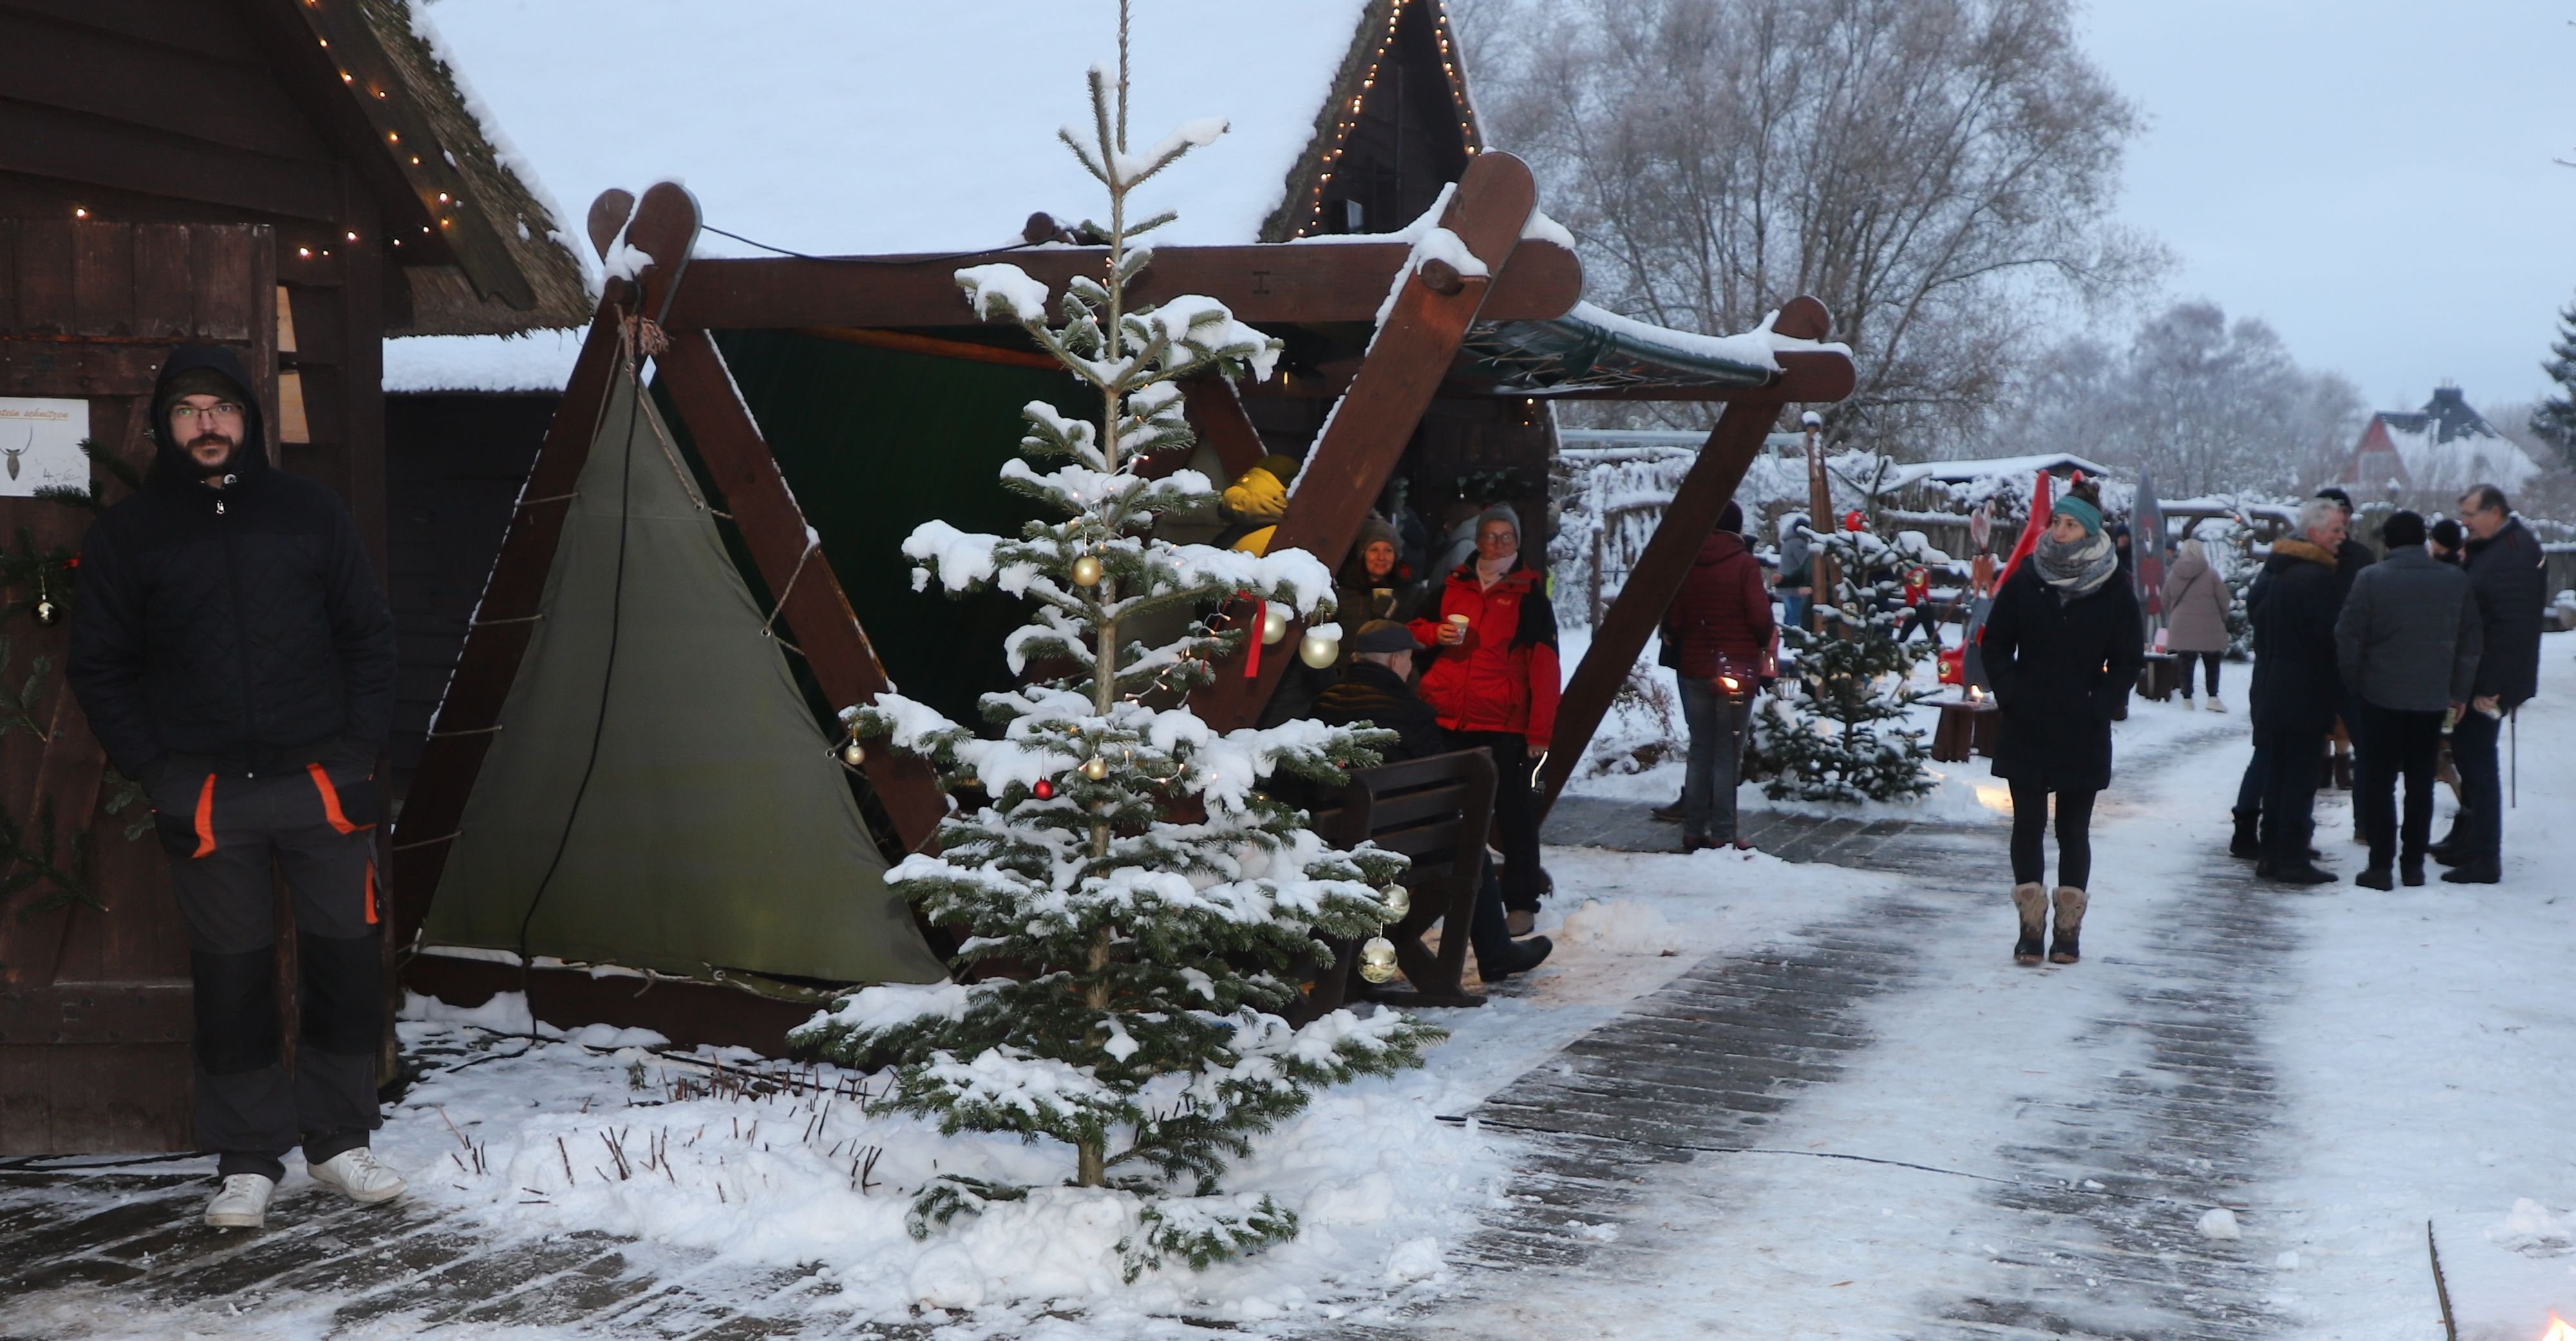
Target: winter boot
(2410, 870)
(2031, 901)
(2377, 877)
(2245, 843)
(2301, 872)
(2470, 870)
(1671, 814)
(1498, 956)
(2070, 923)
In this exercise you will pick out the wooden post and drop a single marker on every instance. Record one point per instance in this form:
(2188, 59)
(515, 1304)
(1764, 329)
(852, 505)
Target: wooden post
(1652, 582)
(1375, 418)
(504, 620)
(811, 603)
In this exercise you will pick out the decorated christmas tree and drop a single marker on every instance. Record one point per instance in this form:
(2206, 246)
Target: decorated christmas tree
(1836, 732)
(1133, 909)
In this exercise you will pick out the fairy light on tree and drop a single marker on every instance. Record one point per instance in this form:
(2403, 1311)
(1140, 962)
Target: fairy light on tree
(1151, 960)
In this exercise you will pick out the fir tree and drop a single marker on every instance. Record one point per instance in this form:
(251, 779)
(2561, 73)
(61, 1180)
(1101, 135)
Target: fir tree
(2555, 420)
(1134, 910)
(1836, 734)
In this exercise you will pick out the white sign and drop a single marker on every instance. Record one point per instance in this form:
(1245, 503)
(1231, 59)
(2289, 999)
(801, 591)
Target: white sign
(40, 445)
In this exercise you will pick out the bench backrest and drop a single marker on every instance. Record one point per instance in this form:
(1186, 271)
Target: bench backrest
(1433, 810)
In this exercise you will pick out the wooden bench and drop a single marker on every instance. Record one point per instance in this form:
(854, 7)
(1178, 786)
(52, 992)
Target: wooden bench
(1435, 811)
(1967, 726)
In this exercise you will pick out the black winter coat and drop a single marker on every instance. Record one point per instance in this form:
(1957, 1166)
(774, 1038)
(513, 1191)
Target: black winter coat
(2505, 576)
(1369, 692)
(240, 624)
(2297, 683)
(2060, 670)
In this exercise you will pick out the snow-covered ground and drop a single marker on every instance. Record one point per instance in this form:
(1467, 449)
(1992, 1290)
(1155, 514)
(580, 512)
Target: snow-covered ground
(2417, 1045)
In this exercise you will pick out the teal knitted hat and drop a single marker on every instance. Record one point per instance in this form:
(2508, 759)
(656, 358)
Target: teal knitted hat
(2089, 515)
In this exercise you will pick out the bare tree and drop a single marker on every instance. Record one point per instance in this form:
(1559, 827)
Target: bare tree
(1939, 172)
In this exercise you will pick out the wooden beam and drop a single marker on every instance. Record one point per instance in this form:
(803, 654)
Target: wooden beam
(1217, 414)
(1405, 365)
(488, 665)
(68, 146)
(1275, 283)
(813, 608)
(1732, 444)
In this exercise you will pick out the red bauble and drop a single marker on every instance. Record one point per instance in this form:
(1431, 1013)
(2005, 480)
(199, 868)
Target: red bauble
(1045, 790)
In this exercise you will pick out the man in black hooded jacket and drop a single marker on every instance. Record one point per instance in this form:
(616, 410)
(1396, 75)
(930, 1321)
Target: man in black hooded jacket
(236, 658)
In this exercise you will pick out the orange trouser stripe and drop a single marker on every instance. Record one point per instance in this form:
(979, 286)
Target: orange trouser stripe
(371, 893)
(205, 819)
(330, 800)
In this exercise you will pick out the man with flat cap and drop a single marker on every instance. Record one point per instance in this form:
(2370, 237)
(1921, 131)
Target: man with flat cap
(236, 658)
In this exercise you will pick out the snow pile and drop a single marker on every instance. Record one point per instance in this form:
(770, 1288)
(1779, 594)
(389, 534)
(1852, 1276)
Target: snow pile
(2218, 1222)
(535, 361)
(1622, 927)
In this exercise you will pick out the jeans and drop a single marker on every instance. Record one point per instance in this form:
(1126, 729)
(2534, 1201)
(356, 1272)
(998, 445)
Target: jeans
(1515, 831)
(2401, 743)
(2186, 658)
(2289, 793)
(1793, 610)
(2473, 754)
(1717, 724)
(2258, 775)
(2030, 827)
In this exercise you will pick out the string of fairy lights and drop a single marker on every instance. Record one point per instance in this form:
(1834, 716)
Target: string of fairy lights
(1347, 119)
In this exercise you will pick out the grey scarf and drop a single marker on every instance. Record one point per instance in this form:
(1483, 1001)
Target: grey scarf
(2078, 569)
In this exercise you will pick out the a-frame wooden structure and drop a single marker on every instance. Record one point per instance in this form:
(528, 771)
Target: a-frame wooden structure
(672, 306)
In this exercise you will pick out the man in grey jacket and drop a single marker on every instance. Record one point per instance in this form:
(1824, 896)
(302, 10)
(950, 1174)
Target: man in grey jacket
(2407, 642)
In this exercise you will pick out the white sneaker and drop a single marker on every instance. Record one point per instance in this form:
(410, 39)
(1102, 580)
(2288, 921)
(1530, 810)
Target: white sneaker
(243, 1204)
(2189, 703)
(2215, 705)
(356, 1173)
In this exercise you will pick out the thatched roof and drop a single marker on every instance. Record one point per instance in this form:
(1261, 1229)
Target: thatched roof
(514, 267)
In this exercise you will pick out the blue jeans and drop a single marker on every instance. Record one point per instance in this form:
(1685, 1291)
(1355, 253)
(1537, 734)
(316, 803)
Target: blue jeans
(1793, 610)
(1716, 759)
(2473, 754)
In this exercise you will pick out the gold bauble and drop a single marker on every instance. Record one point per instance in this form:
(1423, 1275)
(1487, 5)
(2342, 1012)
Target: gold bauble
(1095, 768)
(1377, 960)
(1318, 651)
(853, 753)
(1086, 571)
(47, 613)
(1399, 901)
(1274, 626)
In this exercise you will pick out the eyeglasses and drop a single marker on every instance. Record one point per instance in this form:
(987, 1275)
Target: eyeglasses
(222, 410)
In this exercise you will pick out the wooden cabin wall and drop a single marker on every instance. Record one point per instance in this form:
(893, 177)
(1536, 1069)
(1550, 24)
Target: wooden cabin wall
(1408, 143)
(158, 184)
(453, 467)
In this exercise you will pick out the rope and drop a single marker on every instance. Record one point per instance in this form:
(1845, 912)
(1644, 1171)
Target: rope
(468, 731)
(550, 498)
(512, 619)
(784, 592)
(425, 842)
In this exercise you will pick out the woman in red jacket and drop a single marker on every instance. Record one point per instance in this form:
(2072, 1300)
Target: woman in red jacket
(1493, 680)
(1715, 635)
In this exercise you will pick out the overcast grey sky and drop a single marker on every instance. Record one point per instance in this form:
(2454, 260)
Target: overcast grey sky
(2372, 177)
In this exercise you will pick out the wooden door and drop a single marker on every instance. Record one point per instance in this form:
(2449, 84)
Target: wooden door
(95, 1009)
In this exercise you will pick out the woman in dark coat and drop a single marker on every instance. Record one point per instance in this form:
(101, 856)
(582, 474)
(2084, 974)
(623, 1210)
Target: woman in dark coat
(2063, 647)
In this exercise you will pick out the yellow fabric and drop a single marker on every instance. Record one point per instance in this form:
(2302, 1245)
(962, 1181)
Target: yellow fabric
(1256, 542)
(1259, 495)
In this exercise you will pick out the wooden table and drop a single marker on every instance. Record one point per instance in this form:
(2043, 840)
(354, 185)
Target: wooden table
(1968, 726)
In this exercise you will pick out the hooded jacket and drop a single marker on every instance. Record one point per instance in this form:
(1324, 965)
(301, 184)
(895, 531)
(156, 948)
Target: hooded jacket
(1721, 615)
(2296, 682)
(242, 625)
(1504, 676)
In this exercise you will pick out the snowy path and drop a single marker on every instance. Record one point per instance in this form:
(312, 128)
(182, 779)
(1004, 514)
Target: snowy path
(1882, 1127)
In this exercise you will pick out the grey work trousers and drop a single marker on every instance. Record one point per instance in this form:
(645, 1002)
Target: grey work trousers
(230, 836)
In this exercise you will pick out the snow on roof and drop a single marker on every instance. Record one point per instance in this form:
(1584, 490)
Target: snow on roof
(2435, 462)
(537, 361)
(2000, 467)
(829, 126)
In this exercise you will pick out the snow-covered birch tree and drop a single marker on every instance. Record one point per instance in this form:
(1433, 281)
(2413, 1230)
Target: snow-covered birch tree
(1133, 907)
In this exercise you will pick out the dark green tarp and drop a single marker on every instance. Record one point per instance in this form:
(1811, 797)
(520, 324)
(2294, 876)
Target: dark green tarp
(716, 829)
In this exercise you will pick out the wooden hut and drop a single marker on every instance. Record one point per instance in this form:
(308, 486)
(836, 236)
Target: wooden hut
(834, 392)
(293, 178)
